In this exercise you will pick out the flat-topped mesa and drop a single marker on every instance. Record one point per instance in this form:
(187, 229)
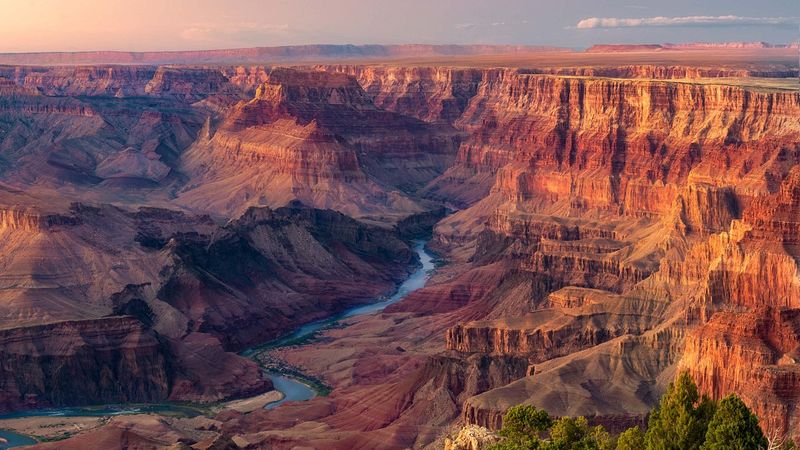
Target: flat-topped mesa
(190, 84)
(15, 219)
(317, 137)
(310, 52)
(178, 83)
(431, 94)
(731, 45)
(319, 88)
(664, 72)
(105, 81)
(302, 96)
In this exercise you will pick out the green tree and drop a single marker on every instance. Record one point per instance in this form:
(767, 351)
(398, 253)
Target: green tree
(631, 439)
(681, 419)
(734, 427)
(575, 434)
(522, 427)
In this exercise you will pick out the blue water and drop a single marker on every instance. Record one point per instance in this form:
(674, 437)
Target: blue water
(10, 439)
(294, 390)
(105, 410)
(415, 281)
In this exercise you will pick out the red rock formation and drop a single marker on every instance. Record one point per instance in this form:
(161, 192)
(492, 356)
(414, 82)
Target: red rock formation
(110, 81)
(753, 354)
(612, 231)
(318, 138)
(665, 72)
(189, 84)
(428, 93)
(194, 290)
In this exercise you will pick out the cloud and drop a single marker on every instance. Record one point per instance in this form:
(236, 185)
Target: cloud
(711, 21)
(464, 26)
(233, 31)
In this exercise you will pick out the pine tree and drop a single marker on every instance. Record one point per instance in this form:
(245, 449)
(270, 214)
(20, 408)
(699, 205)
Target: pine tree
(575, 434)
(734, 426)
(681, 419)
(631, 439)
(522, 426)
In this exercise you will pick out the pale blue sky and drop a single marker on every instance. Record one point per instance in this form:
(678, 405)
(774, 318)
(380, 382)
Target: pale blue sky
(40, 25)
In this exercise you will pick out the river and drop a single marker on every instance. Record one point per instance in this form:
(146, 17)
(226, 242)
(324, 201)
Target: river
(10, 439)
(294, 389)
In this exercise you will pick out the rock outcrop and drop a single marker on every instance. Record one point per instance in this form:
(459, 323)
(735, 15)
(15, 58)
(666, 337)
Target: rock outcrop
(318, 138)
(471, 437)
(176, 294)
(116, 360)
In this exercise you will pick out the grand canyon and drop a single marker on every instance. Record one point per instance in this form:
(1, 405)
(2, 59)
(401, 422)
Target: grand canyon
(372, 247)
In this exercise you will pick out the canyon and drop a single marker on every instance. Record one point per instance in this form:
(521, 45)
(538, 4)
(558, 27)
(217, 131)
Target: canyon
(599, 227)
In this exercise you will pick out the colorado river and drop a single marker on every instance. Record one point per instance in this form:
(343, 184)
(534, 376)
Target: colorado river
(295, 390)
(10, 439)
(164, 409)
(291, 388)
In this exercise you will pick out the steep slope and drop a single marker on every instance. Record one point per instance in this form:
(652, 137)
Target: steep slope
(589, 248)
(663, 166)
(153, 299)
(86, 143)
(318, 138)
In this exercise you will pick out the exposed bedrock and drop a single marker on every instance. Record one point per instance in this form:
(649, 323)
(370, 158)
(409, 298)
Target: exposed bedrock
(754, 354)
(316, 137)
(608, 227)
(115, 359)
(183, 292)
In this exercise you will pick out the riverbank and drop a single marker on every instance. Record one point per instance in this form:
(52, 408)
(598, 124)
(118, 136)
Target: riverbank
(46, 429)
(11, 439)
(292, 381)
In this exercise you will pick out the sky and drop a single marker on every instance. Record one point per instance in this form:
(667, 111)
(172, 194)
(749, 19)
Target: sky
(145, 25)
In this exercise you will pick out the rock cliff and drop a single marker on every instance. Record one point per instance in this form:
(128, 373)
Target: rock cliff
(316, 137)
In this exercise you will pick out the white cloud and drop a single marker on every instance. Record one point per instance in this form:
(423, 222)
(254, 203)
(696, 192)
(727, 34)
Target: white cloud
(614, 22)
(464, 26)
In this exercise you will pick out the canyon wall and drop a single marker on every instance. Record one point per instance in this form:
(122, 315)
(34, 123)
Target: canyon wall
(115, 359)
(645, 208)
(316, 137)
(610, 226)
